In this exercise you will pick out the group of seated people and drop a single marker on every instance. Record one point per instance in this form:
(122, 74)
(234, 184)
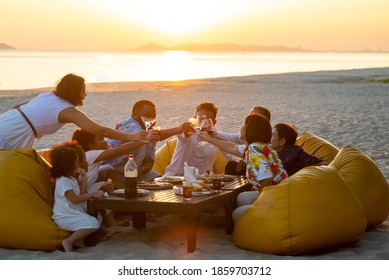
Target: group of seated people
(264, 155)
(97, 154)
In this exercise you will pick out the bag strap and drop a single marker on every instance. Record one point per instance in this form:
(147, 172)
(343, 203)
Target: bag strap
(28, 121)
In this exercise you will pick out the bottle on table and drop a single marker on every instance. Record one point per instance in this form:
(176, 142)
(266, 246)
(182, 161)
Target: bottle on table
(130, 175)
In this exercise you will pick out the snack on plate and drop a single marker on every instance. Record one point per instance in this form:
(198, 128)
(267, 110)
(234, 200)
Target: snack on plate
(198, 187)
(227, 178)
(207, 179)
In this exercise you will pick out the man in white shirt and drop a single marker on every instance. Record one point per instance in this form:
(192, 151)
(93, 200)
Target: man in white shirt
(190, 151)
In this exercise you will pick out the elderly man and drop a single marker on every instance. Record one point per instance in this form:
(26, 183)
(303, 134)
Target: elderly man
(235, 164)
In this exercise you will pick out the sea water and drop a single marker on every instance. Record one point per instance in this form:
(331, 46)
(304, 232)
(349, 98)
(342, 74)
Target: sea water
(25, 69)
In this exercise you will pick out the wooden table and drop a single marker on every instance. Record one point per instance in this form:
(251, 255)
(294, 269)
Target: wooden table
(168, 202)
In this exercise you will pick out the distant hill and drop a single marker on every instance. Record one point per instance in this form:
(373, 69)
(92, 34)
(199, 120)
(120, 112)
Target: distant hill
(223, 47)
(5, 46)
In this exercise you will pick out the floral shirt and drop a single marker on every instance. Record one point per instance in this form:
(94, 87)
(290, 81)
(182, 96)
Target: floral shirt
(263, 163)
(130, 126)
(294, 158)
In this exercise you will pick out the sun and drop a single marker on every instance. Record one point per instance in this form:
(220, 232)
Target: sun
(175, 16)
(178, 17)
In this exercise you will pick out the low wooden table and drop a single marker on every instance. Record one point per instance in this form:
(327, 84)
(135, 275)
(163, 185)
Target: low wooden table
(167, 202)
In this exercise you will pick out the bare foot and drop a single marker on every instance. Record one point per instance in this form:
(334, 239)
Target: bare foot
(67, 245)
(80, 243)
(109, 224)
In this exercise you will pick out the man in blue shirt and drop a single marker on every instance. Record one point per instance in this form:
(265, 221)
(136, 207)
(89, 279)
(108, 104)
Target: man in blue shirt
(145, 155)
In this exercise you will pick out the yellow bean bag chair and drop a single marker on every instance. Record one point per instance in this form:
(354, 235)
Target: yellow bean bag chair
(26, 201)
(311, 212)
(164, 156)
(367, 182)
(317, 146)
(320, 207)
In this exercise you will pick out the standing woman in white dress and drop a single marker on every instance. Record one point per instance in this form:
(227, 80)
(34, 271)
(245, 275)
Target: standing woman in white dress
(70, 196)
(48, 112)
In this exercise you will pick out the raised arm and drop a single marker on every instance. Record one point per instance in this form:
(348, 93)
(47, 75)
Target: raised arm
(72, 115)
(120, 150)
(166, 133)
(226, 146)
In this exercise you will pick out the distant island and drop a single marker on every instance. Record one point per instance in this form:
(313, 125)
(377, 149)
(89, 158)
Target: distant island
(226, 47)
(223, 47)
(6, 47)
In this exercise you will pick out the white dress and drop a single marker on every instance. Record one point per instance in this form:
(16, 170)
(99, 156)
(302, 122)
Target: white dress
(66, 214)
(42, 111)
(96, 170)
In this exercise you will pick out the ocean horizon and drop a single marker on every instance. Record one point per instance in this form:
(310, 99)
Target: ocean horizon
(29, 69)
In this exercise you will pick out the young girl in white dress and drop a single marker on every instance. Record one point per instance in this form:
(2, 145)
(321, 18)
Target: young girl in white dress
(70, 197)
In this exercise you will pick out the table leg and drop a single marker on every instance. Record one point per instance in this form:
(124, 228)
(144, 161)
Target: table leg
(228, 208)
(139, 220)
(91, 208)
(191, 233)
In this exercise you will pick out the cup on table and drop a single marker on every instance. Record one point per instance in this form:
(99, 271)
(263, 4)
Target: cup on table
(216, 182)
(186, 191)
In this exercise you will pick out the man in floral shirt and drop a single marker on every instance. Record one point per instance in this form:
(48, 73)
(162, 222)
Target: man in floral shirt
(145, 155)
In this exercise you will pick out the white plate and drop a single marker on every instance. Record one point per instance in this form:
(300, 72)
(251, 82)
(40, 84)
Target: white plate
(204, 192)
(120, 192)
(143, 192)
(169, 179)
(211, 185)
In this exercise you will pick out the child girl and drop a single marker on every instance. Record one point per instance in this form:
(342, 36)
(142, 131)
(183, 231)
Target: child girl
(70, 195)
(96, 152)
(293, 157)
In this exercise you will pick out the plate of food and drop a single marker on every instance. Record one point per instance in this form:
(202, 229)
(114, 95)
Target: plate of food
(227, 178)
(195, 192)
(169, 179)
(211, 185)
(154, 185)
(121, 192)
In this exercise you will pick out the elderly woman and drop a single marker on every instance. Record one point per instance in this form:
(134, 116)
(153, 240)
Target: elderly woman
(48, 112)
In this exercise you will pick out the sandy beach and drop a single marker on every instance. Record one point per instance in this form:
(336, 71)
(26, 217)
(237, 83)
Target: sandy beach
(343, 107)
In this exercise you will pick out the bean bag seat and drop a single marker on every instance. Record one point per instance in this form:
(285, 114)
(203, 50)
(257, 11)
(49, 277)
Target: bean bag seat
(367, 182)
(312, 211)
(317, 146)
(164, 155)
(26, 201)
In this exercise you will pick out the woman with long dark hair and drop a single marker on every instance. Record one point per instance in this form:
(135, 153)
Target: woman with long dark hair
(48, 112)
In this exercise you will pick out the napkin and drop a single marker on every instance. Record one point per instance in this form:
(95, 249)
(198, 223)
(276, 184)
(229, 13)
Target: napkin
(190, 173)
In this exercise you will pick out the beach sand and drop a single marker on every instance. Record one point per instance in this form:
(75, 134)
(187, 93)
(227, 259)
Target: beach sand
(343, 107)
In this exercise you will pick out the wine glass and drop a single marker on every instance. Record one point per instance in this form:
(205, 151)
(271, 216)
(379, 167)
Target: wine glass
(149, 122)
(207, 126)
(197, 123)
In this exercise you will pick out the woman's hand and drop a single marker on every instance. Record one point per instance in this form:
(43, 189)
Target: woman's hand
(139, 135)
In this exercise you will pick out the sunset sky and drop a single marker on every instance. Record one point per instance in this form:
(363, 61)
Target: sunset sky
(125, 24)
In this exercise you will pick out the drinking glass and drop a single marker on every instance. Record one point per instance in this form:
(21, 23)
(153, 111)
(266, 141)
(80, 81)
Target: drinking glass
(149, 122)
(197, 123)
(216, 182)
(186, 191)
(207, 126)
